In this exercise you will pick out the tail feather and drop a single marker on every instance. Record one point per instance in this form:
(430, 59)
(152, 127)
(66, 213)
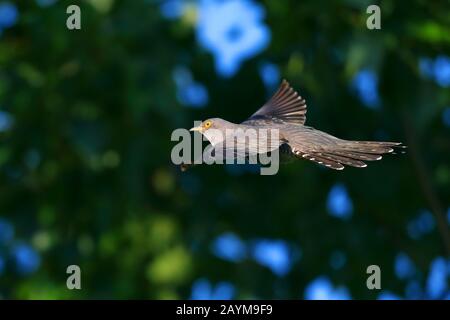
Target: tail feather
(345, 160)
(322, 160)
(350, 153)
(359, 155)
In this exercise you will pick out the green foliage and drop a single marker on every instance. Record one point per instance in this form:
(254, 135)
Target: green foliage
(98, 106)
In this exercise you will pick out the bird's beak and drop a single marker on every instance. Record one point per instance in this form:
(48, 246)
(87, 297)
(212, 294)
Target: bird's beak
(199, 128)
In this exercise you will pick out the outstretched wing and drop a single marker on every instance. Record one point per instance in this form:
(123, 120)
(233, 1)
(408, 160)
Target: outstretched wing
(285, 105)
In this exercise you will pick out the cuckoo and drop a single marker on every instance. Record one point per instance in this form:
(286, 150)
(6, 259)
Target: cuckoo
(286, 112)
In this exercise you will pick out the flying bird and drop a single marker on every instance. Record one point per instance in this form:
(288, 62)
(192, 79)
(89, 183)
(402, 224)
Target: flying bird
(286, 112)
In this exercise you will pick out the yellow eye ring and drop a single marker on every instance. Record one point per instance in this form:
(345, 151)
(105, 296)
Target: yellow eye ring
(207, 124)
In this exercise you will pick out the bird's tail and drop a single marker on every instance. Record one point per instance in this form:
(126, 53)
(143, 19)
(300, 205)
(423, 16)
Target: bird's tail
(352, 153)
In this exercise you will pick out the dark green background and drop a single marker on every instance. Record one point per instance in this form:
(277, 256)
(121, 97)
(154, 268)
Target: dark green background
(99, 105)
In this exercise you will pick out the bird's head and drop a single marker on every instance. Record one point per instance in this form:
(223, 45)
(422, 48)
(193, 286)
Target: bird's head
(214, 123)
(214, 129)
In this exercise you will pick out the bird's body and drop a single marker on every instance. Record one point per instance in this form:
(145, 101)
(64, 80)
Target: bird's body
(286, 113)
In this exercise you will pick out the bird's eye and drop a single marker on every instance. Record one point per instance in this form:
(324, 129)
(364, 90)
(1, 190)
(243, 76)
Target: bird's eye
(208, 124)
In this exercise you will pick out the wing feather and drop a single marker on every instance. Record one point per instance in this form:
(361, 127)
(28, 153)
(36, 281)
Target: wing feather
(285, 105)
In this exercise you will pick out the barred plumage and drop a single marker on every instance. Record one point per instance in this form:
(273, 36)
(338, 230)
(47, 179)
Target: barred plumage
(286, 112)
(332, 152)
(311, 144)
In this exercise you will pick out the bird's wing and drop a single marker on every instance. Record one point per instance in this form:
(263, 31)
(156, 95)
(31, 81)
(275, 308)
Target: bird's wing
(242, 145)
(285, 105)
